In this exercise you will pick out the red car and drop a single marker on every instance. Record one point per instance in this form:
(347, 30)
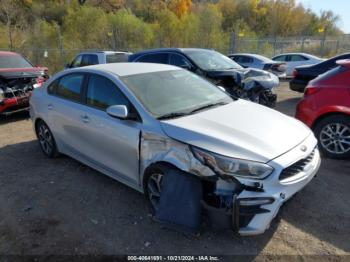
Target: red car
(326, 109)
(18, 77)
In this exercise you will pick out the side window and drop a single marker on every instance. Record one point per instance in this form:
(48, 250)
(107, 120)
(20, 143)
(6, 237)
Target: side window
(69, 87)
(179, 60)
(51, 89)
(281, 58)
(77, 61)
(89, 60)
(161, 58)
(246, 59)
(297, 58)
(102, 93)
(93, 60)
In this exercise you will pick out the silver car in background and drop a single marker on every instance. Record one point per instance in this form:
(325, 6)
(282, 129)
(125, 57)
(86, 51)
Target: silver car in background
(293, 60)
(181, 140)
(260, 62)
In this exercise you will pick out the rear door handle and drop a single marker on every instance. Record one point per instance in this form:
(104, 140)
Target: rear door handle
(49, 106)
(85, 118)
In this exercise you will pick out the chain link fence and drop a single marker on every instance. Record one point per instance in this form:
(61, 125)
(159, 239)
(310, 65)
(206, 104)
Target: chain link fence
(55, 58)
(320, 46)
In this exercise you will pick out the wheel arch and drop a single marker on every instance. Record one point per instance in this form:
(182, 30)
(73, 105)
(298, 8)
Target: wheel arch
(158, 164)
(328, 114)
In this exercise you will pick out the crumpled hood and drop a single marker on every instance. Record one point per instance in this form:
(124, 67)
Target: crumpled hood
(22, 72)
(240, 129)
(248, 77)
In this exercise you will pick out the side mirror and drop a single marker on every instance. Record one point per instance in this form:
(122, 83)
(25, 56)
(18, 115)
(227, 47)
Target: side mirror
(118, 111)
(66, 66)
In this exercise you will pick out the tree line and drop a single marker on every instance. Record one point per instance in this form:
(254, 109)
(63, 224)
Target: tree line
(139, 24)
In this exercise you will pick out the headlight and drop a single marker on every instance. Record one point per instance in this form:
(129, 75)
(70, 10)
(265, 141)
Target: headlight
(232, 166)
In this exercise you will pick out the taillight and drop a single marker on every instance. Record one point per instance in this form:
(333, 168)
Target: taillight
(295, 73)
(310, 91)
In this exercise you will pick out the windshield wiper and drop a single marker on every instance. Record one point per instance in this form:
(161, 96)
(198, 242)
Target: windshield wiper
(172, 115)
(208, 106)
(178, 114)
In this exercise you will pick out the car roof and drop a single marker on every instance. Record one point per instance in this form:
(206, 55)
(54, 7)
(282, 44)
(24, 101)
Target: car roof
(8, 53)
(260, 57)
(126, 69)
(102, 52)
(181, 50)
(297, 53)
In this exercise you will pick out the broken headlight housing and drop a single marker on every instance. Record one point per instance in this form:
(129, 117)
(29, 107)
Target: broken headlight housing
(228, 166)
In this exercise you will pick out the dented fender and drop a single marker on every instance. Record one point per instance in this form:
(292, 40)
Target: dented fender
(156, 148)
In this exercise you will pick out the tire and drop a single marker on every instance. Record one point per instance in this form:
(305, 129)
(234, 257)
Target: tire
(46, 140)
(268, 99)
(153, 184)
(333, 135)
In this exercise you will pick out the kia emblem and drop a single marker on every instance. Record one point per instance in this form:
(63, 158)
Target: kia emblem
(303, 148)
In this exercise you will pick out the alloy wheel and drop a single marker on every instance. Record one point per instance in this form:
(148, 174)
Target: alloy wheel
(45, 139)
(154, 189)
(335, 138)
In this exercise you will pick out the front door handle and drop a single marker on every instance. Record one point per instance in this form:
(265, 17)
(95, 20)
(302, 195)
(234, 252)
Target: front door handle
(50, 106)
(85, 118)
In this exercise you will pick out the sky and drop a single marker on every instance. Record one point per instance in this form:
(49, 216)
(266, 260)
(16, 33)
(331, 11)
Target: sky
(339, 7)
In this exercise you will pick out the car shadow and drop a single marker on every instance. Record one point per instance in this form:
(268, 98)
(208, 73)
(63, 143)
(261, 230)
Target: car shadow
(4, 119)
(89, 205)
(287, 106)
(93, 213)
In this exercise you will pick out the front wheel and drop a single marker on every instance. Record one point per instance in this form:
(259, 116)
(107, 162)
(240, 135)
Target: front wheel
(153, 185)
(333, 135)
(267, 98)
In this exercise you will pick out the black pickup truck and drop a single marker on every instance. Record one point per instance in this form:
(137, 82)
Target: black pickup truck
(303, 74)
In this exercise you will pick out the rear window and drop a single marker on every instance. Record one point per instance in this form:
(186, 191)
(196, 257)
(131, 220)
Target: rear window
(116, 58)
(14, 61)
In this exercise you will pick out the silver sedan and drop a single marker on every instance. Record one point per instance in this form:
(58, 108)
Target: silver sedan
(178, 138)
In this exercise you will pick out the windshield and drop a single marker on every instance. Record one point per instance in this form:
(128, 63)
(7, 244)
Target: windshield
(174, 92)
(14, 61)
(211, 60)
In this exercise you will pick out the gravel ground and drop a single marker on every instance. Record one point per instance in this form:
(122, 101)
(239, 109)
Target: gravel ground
(60, 207)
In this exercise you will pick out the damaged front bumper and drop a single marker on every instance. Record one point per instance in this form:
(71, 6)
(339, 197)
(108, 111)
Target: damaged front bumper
(246, 205)
(15, 104)
(254, 208)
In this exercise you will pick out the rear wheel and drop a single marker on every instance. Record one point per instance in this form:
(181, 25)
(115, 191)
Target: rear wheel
(46, 140)
(333, 135)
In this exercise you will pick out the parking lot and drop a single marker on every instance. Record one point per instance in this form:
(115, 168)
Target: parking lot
(59, 206)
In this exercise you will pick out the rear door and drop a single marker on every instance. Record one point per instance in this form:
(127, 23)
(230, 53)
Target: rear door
(64, 106)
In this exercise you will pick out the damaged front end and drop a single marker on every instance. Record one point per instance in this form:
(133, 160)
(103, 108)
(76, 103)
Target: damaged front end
(233, 194)
(250, 84)
(15, 91)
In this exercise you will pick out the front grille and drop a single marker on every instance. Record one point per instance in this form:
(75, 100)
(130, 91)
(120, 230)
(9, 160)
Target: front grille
(297, 166)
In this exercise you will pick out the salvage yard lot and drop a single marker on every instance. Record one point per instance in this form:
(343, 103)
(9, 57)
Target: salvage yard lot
(60, 206)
